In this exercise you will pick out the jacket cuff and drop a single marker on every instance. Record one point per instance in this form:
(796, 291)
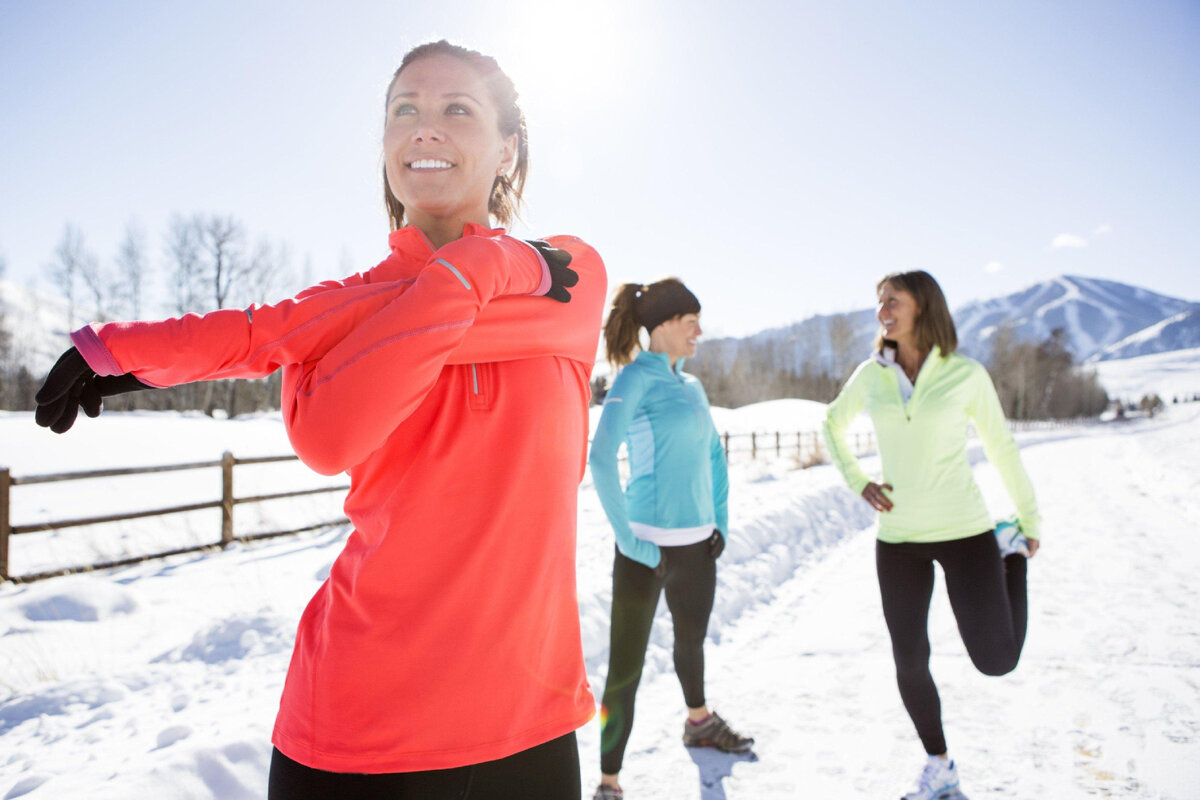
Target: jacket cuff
(94, 352)
(546, 282)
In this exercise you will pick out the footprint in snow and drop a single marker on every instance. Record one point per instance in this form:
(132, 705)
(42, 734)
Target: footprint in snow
(171, 735)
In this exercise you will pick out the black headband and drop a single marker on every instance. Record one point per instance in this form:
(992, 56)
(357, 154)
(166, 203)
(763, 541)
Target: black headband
(659, 302)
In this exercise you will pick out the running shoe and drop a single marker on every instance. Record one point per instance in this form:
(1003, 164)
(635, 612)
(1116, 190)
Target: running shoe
(715, 732)
(939, 779)
(605, 792)
(1010, 539)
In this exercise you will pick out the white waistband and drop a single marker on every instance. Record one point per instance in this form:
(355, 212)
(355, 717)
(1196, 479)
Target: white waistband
(671, 537)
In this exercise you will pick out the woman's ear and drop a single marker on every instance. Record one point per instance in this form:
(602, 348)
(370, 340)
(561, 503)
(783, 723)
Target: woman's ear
(508, 155)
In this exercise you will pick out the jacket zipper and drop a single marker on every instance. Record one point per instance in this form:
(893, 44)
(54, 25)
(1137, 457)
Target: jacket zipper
(480, 389)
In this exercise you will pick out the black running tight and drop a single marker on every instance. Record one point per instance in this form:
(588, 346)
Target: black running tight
(989, 602)
(689, 583)
(548, 771)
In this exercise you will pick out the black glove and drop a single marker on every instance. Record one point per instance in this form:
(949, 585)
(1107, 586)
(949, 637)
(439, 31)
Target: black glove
(72, 385)
(716, 544)
(562, 277)
(661, 570)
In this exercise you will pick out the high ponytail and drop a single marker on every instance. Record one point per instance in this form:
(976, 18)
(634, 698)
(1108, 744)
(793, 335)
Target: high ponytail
(637, 306)
(621, 328)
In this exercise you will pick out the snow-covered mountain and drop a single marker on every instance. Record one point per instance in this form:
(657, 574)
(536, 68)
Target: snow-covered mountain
(822, 342)
(1179, 332)
(1096, 314)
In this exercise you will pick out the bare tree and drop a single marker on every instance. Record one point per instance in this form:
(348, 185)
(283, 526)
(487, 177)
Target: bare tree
(99, 285)
(182, 249)
(213, 266)
(1041, 381)
(131, 271)
(265, 271)
(843, 357)
(69, 259)
(223, 243)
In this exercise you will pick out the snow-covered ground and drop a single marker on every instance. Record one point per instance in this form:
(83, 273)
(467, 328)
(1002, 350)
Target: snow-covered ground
(1170, 374)
(161, 680)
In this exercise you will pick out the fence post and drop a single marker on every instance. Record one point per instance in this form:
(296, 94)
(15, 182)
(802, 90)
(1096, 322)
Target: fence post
(753, 445)
(5, 483)
(778, 445)
(226, 498)
(726, 437)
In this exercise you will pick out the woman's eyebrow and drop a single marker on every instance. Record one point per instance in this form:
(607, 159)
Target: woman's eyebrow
(446, 95)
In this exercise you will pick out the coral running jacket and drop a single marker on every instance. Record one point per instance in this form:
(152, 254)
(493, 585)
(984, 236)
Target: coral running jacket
(447, 632)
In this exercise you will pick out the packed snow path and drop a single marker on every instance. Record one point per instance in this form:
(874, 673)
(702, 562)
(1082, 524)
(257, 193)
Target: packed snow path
(1106, 701)
(162, 680)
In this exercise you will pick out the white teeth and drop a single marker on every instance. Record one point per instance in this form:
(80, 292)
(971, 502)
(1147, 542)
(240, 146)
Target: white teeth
(430, 163)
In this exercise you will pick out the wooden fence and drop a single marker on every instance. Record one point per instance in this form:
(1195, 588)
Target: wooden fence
(227, 503)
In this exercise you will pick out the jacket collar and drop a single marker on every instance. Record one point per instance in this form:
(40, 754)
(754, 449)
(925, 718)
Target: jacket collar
(887, 357)
(412, 242)
(660, 361)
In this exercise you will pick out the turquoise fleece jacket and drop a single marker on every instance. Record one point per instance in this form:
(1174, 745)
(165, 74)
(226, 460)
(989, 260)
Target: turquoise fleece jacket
(677, 468)
(923, 447)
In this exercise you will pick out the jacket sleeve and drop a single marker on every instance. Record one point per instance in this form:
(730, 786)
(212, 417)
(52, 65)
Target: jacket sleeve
(985, 411)
(527, 327)
(341, 407)
(838, 416)
(232, 343)
(620, 406)
(720, 471)
(254, 342)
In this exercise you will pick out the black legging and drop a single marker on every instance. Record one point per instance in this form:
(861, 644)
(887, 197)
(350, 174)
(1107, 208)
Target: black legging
(690, 582)
(989, 601)
(548, 771)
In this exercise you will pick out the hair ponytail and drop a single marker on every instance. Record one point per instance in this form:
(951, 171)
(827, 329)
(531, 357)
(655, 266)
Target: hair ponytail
(621, 328)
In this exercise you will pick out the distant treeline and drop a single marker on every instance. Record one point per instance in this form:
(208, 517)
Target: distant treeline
(204, 262)
(1035, 380)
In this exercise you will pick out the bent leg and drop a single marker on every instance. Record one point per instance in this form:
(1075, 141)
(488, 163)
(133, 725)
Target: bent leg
(989, 599)
(905, 587)
(635, 597)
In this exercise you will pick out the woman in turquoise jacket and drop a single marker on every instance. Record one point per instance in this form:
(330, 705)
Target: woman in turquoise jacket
(921, 395)
(672, 518)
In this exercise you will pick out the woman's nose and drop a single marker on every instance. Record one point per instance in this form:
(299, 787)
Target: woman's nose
(427, 132)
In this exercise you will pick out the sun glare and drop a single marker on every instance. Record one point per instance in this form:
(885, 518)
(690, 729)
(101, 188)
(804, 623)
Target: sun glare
(566, 57)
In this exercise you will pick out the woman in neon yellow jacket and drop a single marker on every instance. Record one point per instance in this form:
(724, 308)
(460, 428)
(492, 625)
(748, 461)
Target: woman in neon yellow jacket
(921, 395)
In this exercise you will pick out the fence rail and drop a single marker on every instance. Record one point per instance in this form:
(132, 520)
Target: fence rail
(806, 446)
(227, 503)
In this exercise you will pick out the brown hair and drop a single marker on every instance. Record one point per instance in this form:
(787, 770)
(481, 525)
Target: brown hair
(636, 305)
(933, 325)
(507, 190)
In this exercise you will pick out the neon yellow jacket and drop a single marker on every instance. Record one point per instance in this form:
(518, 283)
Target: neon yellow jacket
(923, 446)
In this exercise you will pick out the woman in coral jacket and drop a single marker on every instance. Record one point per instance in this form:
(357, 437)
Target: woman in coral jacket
(921, 395)
(442, 656)
(671, 520)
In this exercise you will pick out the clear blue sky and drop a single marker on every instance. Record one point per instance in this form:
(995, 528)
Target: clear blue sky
(778, 156)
